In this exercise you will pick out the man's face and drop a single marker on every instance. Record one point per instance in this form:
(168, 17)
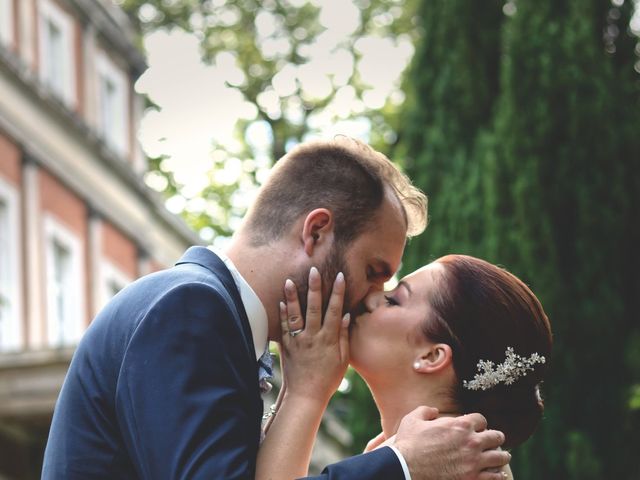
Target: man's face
(367, 262)
(374, 256)
(333, 264)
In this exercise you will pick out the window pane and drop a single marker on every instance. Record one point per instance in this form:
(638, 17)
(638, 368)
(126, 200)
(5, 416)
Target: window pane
(112, 108)
(107, 99)
(62, 290)
(55, 61)
(61, 259)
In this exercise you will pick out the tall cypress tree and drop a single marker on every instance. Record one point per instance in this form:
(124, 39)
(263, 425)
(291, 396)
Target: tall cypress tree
(452, 93)
(548, 187)
(567, 139)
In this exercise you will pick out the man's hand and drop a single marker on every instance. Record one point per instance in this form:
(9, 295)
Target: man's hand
(459, 448)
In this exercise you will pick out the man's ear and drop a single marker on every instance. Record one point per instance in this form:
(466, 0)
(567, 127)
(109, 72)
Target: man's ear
(435, 358)
(317, 229)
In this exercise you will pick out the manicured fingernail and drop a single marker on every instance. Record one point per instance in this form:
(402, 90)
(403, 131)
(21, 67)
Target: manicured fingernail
(346, 319)
(340, 277)
(314, 273)
(283, 307)
(288, 285)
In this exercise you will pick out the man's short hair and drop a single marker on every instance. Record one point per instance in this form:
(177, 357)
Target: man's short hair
(344, 175)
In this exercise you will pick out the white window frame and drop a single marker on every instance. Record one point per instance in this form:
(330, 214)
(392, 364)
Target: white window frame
(111, 274)
(6, 22)
(49, 12)
(11, 332)
(68, 330)
(113, 125)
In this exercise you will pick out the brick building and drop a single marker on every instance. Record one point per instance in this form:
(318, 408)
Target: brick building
(77, 222)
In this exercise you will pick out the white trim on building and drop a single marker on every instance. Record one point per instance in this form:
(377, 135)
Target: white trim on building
(11, 331)
(56, 53)
(65, 284)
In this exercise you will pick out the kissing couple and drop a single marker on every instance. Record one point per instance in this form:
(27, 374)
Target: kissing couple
(166, 382)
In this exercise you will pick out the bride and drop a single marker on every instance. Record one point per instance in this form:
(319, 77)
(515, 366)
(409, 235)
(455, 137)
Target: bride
(459, 335)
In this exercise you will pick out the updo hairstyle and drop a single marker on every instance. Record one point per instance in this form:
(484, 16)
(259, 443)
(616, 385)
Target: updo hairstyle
(480, 310)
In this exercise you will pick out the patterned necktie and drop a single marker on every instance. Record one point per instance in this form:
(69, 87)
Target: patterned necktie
(265, 371)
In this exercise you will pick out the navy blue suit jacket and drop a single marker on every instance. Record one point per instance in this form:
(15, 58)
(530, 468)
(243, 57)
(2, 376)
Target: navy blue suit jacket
(163, 385)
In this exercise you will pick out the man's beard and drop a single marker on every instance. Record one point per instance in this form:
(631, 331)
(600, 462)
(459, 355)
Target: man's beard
(332, 265)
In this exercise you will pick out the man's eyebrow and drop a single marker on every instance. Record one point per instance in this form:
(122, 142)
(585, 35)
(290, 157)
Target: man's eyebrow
(405, 285)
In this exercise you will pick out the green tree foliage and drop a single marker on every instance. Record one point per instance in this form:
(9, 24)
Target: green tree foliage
(532, 161)
(451, 94)
(274, 46)
(358, 411)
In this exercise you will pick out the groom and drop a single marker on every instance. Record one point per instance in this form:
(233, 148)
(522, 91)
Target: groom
(164, 383)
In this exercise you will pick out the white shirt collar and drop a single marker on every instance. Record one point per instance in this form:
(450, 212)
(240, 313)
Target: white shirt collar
(256, 312)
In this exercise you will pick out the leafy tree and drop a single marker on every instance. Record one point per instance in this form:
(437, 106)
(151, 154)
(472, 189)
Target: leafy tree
(299, 75)
(546, 184)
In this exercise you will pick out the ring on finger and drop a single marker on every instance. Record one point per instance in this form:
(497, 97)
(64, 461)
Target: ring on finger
(293, 333)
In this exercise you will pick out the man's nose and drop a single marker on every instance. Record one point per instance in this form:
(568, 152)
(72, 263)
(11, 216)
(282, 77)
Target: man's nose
(373, 298)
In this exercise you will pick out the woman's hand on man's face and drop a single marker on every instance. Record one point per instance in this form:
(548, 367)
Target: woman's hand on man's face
(315, 352)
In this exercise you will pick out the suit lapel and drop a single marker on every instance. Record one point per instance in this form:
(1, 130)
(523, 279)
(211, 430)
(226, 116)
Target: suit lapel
(206, 258)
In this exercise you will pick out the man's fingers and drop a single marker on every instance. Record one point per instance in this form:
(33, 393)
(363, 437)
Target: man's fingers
(476, 420)
(493, 475)
(424, 413)
(333, 317)
(491, 439)
(494, 459)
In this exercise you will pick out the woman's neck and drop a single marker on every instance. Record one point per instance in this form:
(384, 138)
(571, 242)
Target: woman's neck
(394, 403)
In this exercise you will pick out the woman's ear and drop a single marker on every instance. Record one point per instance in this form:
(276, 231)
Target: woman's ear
(317, 229)
(435, 358)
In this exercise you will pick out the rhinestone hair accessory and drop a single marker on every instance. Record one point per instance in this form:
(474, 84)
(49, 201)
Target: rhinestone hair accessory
(513, 367)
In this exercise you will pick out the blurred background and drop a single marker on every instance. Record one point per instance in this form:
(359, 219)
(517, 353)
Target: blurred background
(132, 129)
